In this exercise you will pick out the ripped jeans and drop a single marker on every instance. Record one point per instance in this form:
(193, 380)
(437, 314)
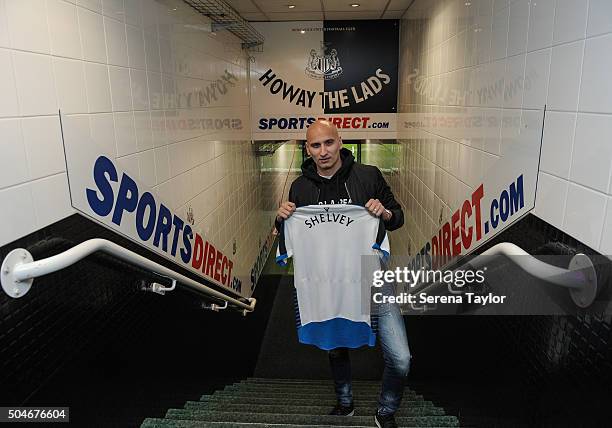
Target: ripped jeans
(394, 344)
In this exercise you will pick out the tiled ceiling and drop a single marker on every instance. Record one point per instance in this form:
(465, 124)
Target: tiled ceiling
(315, 10)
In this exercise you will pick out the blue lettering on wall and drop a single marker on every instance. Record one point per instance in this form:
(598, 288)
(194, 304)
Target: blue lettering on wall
(146, 200)
(127, 198)
(164, 225)
(104, 170)
(178, 226)
(187, 237)
(151, 218)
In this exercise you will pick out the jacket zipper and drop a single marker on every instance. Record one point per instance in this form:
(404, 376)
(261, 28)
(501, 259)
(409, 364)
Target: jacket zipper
(347, 192)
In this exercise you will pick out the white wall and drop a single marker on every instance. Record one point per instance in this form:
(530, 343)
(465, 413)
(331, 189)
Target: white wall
(121, 71)
(553, 52)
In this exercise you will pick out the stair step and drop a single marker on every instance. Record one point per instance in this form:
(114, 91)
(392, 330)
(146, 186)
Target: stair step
(265, 381)
(316, 401)
(280, 395)
(291, 388)
(306, 410)
(296, 403)
(172, 423)
(211, 416)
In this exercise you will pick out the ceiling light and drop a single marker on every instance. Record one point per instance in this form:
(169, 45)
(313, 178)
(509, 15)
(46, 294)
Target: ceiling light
(291, 6)
(302, 31)
(467, 3)
(355, 5)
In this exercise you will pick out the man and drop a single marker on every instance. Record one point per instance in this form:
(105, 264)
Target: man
(331, 176)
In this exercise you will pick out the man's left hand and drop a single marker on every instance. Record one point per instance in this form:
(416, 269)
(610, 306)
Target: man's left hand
(376, 208)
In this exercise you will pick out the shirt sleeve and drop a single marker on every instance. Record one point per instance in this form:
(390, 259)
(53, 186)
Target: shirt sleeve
(285, 247)
(384, 248)
(382, 241)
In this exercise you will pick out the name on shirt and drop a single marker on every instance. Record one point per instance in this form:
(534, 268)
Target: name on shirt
(328, 218)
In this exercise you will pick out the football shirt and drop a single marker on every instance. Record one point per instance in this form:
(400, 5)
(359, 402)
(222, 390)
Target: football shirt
(332, 278)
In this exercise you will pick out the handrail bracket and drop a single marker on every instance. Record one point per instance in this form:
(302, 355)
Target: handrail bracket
(11, 284)
(158, 288)
(214, 307)
(584, 296)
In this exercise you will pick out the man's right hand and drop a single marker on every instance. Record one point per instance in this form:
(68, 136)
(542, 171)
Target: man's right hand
(285, 210)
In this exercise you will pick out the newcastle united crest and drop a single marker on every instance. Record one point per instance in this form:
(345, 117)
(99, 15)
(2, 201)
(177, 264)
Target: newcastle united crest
(323, 65)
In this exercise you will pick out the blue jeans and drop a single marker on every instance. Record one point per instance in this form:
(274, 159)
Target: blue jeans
(394, 344)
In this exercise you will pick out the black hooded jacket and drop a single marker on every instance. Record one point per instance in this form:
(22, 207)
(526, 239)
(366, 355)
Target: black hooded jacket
(353, 183)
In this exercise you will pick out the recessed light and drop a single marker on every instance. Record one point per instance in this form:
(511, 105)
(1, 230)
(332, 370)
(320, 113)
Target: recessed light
(302, 31)
(291, 6)
(355, 5)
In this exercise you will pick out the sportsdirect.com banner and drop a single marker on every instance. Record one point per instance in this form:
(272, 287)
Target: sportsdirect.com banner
(343, 71)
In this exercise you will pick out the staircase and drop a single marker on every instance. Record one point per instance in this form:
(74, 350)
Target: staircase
(259, 402)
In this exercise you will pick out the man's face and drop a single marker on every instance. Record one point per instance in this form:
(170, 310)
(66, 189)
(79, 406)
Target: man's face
(323, 144)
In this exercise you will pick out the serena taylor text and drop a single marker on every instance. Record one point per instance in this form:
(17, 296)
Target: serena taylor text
(422, 298)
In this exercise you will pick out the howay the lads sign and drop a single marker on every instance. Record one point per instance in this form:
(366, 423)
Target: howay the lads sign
(344, 71)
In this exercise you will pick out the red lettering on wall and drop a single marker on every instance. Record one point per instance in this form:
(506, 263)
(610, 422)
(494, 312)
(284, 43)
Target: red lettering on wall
(435, 249)
(446, 234)
(197, 252)
(466, 238)
(210, 262)
(455, 233)
(476, 197)
(218, 265)
(223, 268)
(440, 248)
(434, 246)
(229, 272)
(205, 257)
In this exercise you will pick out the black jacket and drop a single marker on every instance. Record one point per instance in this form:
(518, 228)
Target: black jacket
(361, 182)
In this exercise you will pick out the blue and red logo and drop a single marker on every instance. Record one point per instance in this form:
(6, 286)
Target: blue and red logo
(155, 223)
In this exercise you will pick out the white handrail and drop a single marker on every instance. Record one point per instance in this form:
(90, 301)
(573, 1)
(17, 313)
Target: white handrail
(19, 269)
(544, 271)
(580, 276)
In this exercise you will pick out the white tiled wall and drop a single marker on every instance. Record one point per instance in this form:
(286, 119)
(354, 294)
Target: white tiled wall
(120, 71)
(501, 61)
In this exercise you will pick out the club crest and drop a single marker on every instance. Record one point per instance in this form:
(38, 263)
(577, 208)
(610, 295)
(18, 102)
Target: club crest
(323, 65)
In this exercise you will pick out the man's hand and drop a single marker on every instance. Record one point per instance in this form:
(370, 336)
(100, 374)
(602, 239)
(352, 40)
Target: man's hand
(376, 208)
(285, 210)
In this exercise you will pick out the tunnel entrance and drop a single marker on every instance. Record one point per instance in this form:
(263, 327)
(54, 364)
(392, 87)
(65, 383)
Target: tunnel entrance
(380, 153)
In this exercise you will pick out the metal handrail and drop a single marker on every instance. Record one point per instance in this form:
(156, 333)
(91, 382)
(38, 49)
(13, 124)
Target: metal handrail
(579, 278)
(19, 269)
(569, 278)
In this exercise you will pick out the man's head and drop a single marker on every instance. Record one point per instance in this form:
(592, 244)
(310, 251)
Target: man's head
(323, 144)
